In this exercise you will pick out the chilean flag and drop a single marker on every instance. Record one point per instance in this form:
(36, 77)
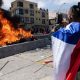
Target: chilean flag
(66, 52)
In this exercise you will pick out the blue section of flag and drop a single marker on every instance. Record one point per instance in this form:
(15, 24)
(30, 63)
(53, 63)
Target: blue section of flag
(70, 34)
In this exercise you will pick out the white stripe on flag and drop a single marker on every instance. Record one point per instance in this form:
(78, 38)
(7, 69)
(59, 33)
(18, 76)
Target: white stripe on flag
(61, 58)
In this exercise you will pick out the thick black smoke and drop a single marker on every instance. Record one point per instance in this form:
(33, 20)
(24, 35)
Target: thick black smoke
(14, 19)
(1, 2)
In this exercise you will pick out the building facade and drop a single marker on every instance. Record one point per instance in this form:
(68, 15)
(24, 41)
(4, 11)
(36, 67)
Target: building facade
(30, 15)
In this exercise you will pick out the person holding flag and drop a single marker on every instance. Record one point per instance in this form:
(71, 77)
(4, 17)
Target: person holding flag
(66, 47)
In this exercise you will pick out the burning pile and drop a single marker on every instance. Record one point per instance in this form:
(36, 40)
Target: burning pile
(8, 34)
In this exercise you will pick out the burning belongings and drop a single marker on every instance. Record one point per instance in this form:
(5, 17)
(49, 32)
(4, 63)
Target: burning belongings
(9, 34)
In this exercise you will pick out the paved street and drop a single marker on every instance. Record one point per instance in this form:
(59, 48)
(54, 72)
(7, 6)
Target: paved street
(27, 66)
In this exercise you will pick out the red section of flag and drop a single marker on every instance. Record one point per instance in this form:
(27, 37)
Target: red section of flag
(74, 63)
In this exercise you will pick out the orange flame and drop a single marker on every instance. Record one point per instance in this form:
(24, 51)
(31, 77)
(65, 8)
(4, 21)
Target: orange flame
(8, 34)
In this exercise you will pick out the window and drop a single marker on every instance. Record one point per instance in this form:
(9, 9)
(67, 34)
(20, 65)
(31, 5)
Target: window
(26, 11)
(36, 18)
(27, 19)
(31, 6)
(47, 20)
(22, 19)
(39, 18)
(36, 11)
(36, 5)
(31, 12)
(43, 21)
(17, 11)
(32, 20)
(20, 4)
(39, 12)
(21, 11)
(43, 14)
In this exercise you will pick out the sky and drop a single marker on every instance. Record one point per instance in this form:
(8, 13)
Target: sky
(51, 5)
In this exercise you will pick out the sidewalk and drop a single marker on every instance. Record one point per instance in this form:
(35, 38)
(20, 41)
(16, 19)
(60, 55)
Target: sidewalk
(27, 66)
